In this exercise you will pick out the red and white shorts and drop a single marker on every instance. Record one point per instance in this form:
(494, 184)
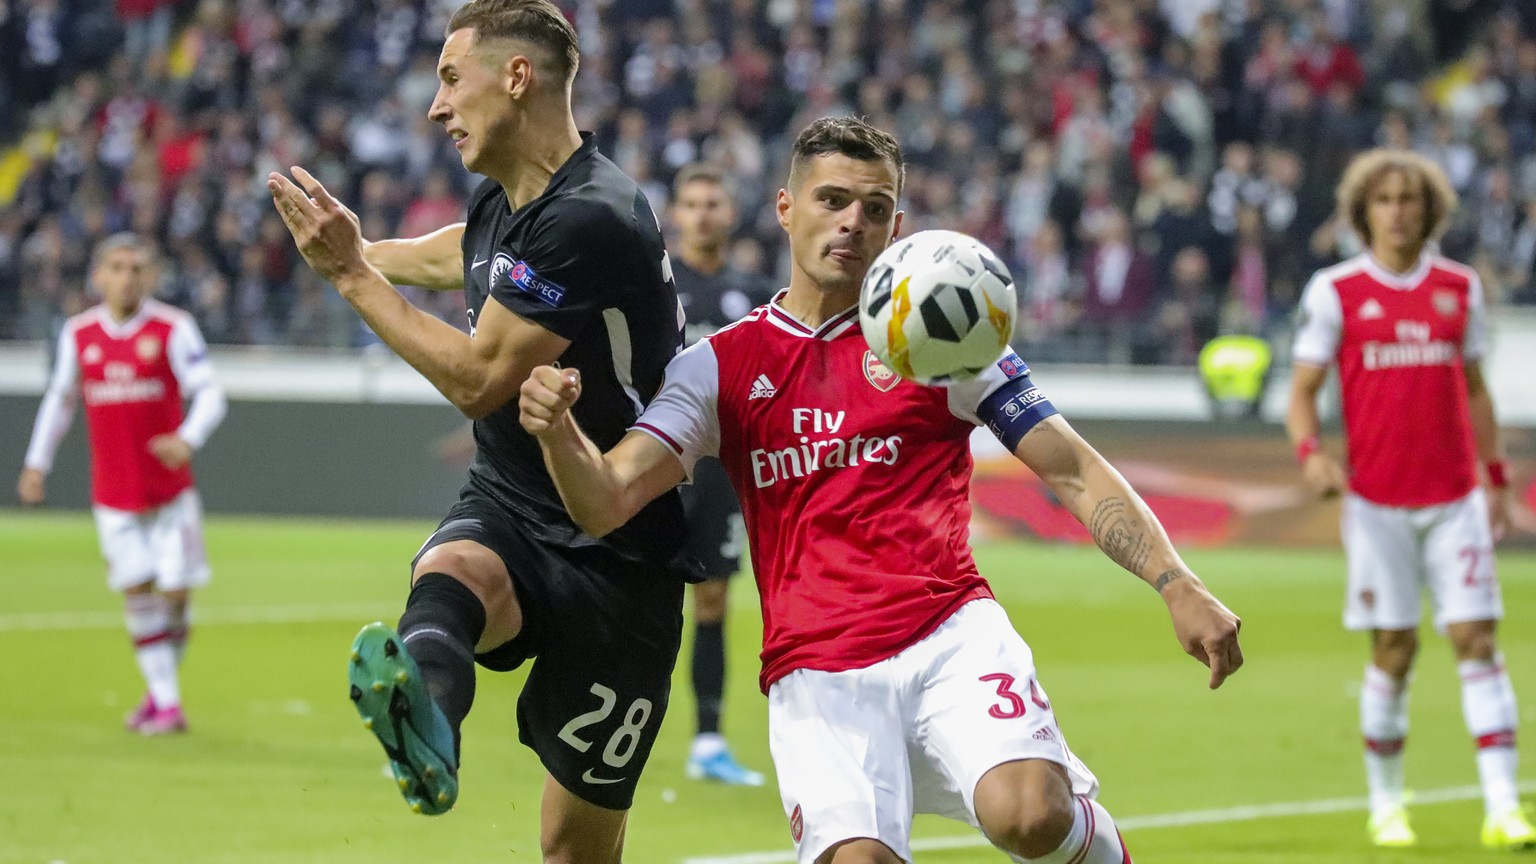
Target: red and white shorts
(163, 545)
(859, 751)
(1395, 553)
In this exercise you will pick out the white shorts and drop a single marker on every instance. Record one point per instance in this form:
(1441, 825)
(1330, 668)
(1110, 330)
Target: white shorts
(1396, 552)
(858, 752)
(164, 545)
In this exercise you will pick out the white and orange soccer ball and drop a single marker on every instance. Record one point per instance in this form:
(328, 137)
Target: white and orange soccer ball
(937, 307)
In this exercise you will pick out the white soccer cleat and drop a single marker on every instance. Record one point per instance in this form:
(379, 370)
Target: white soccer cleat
(1389, 828)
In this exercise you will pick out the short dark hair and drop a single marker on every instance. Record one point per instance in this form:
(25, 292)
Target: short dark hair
(538, 22)
(699, 172)
(121, 240)
(850, 136)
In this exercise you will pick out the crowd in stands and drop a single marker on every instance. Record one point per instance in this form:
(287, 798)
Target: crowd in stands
(1155, 172)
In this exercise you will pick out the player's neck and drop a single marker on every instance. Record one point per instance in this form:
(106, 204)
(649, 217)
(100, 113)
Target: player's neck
(703, 259)
(123, 316)
(539, 152)
(813, 306)
(1398, 260)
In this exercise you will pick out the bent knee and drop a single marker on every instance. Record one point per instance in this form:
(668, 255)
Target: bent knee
(472, 565)
(1033, 829)
(1393, 651)
(1474, 641)
(1025, 808)
(861, 851)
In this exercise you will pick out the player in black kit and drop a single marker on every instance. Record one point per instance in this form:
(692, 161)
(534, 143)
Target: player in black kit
(713, 294)
(571, 258)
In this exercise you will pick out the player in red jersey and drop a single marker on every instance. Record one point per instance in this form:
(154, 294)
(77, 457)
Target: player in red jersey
(134, 360)
(1406, 329)
(895, 682)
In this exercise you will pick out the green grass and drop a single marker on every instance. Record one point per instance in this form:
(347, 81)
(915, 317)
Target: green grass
(277, 768)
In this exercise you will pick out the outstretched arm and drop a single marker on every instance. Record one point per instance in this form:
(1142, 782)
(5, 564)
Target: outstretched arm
(434, 261)
(1126, 530)
(601, 490)
(477, 374)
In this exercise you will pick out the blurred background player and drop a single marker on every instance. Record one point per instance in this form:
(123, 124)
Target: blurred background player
(895, 681)
(561, 260)
(713, 294)
(1406, 328)
(134, 359)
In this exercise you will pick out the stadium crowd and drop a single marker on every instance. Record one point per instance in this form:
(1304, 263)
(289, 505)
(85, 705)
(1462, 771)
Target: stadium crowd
(1155, 172)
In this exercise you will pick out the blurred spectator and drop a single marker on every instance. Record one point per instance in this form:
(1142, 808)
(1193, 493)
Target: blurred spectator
(1185, 319)
(1047, 305)
(1217, 127)
(1119, 283)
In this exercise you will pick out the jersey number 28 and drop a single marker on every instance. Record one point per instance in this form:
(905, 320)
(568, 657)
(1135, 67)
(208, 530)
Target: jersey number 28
(621, 747)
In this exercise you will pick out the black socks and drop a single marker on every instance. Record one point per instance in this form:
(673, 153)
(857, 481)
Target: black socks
(442, 622)
(709, 673)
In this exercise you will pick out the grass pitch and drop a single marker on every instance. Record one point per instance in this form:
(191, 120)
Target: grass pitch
(277, 769)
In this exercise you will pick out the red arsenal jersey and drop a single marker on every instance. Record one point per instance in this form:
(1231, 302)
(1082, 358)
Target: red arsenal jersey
(1400, 342)
(131, 377)
(854, 482)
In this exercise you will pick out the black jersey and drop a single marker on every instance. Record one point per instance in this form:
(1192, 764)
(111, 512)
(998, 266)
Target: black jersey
(713, 300)
(584, 260)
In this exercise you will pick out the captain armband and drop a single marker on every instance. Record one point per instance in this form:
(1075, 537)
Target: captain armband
(1013, 409)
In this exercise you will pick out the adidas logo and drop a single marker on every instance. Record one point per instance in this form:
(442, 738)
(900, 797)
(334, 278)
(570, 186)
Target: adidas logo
(1371, 309)
(762, 388)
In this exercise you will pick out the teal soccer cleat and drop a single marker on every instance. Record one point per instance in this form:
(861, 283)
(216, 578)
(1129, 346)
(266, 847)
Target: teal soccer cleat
(722, 767)
(391, 695)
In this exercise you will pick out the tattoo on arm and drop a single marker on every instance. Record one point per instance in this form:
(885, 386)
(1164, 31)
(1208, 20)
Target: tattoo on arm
(1163, 580)
(1122, 537)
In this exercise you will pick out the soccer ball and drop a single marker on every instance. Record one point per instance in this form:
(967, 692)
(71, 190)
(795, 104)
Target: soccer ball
(937, 307)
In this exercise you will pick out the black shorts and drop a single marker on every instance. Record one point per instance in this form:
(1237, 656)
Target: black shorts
(717, 536)
(603, 633)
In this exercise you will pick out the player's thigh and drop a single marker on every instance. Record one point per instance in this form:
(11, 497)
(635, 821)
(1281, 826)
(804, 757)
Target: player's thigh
(606, 636)
(176, 544)
(573, 831)
(1459, 560)
(717, 534)
(1384, 559)
(982, 706)
(839, 747)
(125, 545)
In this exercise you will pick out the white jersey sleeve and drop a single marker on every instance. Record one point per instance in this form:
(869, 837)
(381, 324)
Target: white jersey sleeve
(188, 355)
(1001, 398)
(1474, 343)
(1321, 325)
(685, 414)
(58, 409)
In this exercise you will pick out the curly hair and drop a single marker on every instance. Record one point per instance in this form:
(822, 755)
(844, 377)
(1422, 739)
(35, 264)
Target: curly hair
(1368, 168)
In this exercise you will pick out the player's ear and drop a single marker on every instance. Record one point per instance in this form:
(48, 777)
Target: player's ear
(896, 224)
(781, 208)
(518, 79)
